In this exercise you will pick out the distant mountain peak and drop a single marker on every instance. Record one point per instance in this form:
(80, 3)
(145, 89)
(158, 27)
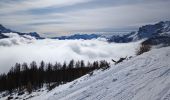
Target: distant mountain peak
(6, 30)
(161, 28)
(147, 31)
(78, 36)
(1, 26)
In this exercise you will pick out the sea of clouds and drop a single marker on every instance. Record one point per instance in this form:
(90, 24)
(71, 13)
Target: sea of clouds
(27, 49)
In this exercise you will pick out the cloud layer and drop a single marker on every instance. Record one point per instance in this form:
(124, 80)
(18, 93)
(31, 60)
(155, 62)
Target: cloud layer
(18, 49)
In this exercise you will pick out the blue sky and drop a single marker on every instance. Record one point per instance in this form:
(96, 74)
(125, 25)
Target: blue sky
(61, 17)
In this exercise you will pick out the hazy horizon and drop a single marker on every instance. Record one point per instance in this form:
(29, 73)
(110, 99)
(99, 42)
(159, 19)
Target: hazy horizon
(54, 17)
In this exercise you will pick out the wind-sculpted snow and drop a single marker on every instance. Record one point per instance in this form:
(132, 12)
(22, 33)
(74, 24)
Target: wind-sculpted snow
(26, 49)
(145, 77)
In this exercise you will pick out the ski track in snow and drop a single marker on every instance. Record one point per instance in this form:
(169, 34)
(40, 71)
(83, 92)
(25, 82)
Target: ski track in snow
(145, 77)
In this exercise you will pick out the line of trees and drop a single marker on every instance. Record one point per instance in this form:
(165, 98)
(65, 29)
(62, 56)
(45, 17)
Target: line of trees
(32, 76)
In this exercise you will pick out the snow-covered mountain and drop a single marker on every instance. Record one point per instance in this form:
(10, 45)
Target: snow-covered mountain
(78, 36)
(144, 32)
(4, 30)
(123, 38)
(158, 29)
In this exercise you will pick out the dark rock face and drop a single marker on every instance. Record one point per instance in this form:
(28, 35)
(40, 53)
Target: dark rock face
(122, 39)
(158, 34)
(163, 40)
(4, 30)
(3, 36)
(34, 34)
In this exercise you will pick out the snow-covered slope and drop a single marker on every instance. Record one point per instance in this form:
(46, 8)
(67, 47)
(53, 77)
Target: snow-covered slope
(145, 77)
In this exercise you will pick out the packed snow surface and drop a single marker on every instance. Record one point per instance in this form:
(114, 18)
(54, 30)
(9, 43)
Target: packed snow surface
(144, 77)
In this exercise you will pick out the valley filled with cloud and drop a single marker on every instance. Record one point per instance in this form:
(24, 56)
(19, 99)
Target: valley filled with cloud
(27, 49)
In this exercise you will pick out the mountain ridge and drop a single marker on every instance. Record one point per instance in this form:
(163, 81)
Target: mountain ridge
(145, 32)
(4, 30)
(78, 36)
(149, 31)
